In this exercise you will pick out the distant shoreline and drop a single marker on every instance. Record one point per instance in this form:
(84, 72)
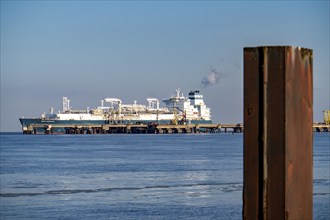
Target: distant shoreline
(10, 132)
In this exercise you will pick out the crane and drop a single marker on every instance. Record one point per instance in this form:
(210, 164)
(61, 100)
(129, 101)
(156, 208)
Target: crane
(326, 117)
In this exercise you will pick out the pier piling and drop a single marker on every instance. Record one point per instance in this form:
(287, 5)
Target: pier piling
(278, 126)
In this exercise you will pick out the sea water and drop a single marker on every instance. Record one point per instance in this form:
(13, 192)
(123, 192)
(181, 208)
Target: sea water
(174, 176)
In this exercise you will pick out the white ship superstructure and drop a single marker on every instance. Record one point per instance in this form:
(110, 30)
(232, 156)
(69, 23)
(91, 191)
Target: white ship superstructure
(193, 107)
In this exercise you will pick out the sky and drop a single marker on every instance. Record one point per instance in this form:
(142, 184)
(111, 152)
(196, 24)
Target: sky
(132, 50)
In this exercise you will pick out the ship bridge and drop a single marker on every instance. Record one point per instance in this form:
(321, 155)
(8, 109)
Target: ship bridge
(196, 98)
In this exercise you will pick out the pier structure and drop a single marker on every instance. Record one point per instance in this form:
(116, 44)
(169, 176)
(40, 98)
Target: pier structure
(317, 127)
(145, 128)
(131, 128)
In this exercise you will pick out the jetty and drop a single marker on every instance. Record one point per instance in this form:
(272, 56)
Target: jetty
(132, 128)
(145, 128)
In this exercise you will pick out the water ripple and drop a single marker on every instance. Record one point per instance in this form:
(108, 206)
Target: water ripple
(229, 187)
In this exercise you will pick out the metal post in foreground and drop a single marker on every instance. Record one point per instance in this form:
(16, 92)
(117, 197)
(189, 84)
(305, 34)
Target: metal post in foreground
(278, 123)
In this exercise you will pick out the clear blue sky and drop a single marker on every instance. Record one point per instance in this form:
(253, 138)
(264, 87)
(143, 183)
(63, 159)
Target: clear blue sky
(89, 50)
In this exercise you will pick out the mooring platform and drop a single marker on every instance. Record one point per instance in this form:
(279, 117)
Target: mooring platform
(143, 128)
(131, 128)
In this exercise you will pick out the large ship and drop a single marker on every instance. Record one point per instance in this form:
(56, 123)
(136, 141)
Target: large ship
(178, 110)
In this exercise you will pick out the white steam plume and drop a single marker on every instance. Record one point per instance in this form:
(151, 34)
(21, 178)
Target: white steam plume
(212, 79)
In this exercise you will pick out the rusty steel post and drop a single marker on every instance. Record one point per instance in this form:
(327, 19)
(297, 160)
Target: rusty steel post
(278, 123)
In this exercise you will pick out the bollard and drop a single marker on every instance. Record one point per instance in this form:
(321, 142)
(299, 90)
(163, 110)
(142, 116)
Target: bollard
(278, 129)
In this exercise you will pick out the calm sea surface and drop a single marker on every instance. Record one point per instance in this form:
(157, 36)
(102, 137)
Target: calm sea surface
(188, 176)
